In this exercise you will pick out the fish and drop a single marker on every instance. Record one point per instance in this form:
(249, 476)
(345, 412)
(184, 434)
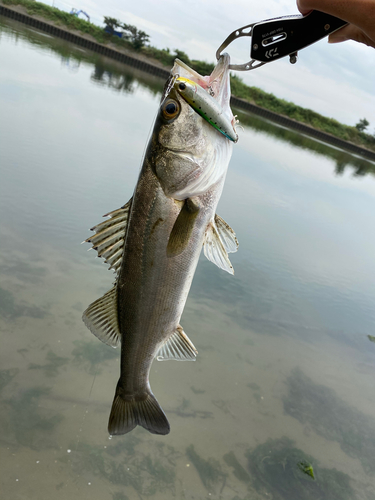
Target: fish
(154, 241)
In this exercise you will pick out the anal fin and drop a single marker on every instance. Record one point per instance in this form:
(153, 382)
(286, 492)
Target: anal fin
(178, 347)
(102, 320)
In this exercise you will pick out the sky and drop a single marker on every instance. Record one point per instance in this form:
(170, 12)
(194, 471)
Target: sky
(336, 80)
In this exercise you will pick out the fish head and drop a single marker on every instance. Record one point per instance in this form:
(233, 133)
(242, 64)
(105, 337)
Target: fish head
(190, 154)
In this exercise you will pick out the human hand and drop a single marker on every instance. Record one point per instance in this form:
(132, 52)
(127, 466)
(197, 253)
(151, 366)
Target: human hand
(359, 13)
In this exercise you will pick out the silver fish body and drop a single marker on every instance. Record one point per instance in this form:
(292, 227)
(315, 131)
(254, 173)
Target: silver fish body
(154, 243)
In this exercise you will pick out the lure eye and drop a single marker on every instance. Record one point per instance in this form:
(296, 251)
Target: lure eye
(170, 109)
(181, 86)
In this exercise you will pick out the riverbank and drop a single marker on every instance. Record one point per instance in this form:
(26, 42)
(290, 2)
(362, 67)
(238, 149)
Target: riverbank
(245, 98)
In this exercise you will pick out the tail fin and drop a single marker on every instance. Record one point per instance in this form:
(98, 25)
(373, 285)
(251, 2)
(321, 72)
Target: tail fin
(126, 415)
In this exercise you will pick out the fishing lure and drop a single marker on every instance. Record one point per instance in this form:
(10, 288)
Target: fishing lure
(206, 105)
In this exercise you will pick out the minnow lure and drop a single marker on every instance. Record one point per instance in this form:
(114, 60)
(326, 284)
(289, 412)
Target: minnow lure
(204, 104)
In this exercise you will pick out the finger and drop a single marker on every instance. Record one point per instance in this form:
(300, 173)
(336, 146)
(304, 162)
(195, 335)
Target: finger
(301, 8)
(351, 32)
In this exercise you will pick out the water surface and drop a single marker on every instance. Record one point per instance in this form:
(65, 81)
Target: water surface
(286, 366)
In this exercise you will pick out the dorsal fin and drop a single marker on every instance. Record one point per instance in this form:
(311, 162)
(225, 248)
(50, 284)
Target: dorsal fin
(178, 347)
(109, 236)
(102, 320)
(219, 240)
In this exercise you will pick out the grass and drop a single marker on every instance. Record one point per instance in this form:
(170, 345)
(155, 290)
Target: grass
(253, 95)
(300, 114)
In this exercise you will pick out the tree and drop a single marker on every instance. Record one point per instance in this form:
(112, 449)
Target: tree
(112, 23)
(182, 56)
(362, 125)
(137, 38)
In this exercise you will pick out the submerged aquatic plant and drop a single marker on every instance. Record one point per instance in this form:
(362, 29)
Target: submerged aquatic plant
(240, 473)
(27, 423)
(209, 470)
(331, 417)
(10, 309)
(275, 467)
(119, 496)
(89, 354)
(306, 468)
(6, 376)
(51, 368)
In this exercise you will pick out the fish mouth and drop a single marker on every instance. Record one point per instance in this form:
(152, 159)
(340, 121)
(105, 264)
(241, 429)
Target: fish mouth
(216, 79)
(217, 84)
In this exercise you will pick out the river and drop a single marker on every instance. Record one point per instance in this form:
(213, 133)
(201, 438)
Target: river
(284, 379)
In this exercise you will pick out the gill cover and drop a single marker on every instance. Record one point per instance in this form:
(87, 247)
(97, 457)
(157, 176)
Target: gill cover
(191, 156)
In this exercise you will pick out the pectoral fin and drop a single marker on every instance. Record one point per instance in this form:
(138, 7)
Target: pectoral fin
(227, 235)
(182, 229)
(220, 240)
(178, 347)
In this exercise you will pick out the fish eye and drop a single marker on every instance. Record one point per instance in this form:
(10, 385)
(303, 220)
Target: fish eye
(170, 109)
(182, 86)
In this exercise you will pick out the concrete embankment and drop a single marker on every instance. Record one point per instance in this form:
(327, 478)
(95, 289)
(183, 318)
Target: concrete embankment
(302, 128)
(154, 69)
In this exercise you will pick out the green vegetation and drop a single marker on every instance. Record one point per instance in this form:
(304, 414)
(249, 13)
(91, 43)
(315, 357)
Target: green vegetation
(306, 468)
(362, 124)
(299, 114)
(136, 40)
(331, 417)
(275, 467)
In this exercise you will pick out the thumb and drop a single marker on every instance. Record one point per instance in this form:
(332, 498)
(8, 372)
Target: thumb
(351, 32)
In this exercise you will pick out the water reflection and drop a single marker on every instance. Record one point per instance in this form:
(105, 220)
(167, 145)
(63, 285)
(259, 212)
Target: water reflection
(343, 160)
(27, 422)
(71, 63)
(121, 81)
(91, 357)
(120, 78)
(107, 72)
(247, 422)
